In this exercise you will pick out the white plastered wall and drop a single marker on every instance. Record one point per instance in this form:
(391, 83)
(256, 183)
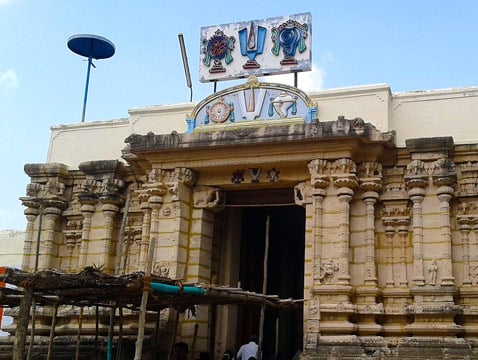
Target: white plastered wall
(371, 103)
(449, 112)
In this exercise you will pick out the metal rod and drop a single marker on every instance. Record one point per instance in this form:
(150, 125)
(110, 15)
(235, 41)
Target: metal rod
(264, 289)
(186, 65)
(86, 89)
(296, 78)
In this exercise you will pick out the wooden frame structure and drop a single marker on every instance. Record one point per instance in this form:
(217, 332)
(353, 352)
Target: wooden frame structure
(92, 287)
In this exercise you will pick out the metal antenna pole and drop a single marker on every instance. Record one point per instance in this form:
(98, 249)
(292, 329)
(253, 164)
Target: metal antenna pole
(186, 65)
(86, 88)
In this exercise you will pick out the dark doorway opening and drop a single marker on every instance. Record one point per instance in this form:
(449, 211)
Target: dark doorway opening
(285, 275)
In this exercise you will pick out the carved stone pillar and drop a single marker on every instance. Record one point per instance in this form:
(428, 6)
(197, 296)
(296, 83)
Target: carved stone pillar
(370, 179)
(48, 246)
(416, 196)
(335, 291)
(403, 224)
(416, 178)
(31, 214)
(109, 211)
(155, 201)
(318, 196)
(370, 198)
(45, 197)
(389, 234)
(72, 237)
(345, 194)
(319, 181)
(465, 225)
(444, 195)
(87, 210)
(70, 242)
(313, 266)
(396, 219)
(311, 197)
(145, 232)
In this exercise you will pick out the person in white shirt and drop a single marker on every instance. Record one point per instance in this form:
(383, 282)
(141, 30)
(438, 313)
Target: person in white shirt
(249, 350)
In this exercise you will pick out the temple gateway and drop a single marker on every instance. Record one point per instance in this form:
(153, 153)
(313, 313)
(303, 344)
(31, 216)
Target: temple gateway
(367, 200)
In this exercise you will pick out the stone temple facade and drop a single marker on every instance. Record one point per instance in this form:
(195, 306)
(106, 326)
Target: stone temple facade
(372, 199)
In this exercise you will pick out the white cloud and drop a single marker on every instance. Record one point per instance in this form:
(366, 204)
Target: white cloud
(307, 81)
(8, 79)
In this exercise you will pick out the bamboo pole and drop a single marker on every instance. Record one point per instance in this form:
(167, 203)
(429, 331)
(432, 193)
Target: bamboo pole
(120, 333)
(109, 352)
(193, 346)
(156, 335)
(175, 331)
(52, 332)
(22, 325)
(212, 343)
(119, 250)
(126, 259)
(97, 327)
(144, 300)
(37, 256)
(32, 330)
(264, 290)
(78, 334)
(277, 337)
(26, 304)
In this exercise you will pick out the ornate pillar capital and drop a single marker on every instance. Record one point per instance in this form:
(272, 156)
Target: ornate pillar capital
(318, 169)
(416, 174)
(443, 172)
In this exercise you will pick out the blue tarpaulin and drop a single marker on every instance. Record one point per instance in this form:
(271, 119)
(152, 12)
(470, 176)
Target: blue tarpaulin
(174, 289)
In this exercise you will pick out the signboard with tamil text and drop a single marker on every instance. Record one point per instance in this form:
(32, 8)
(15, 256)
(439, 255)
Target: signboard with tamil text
(258, 47)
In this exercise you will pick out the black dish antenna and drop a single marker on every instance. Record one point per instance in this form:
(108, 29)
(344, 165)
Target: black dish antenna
(92, 47)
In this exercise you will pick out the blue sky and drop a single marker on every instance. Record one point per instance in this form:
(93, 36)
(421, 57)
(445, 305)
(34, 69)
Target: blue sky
(408, 44)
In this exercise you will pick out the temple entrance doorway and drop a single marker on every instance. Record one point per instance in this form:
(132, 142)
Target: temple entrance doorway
(285, 275)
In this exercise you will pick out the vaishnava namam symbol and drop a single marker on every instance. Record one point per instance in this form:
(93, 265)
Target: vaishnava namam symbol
(252, 44)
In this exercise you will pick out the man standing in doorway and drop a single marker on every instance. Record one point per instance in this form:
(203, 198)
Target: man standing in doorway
(248, 351)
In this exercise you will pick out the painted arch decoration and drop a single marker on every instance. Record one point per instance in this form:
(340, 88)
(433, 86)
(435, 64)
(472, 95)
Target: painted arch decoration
(252, 101)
